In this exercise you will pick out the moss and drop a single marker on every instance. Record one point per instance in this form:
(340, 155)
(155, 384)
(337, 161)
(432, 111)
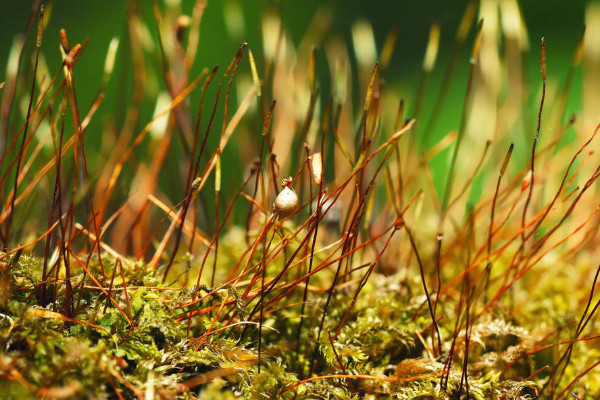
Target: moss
(378, 339)
(373, 285)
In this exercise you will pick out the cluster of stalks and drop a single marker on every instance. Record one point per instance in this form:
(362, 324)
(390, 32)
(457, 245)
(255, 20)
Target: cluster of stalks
(479, 222)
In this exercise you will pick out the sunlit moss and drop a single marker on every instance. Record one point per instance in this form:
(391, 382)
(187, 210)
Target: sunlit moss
(378, 339)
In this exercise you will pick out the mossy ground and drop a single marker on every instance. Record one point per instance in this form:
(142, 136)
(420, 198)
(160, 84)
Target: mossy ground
(99, 353)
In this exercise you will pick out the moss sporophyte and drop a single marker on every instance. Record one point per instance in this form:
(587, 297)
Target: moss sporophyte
(431, 242)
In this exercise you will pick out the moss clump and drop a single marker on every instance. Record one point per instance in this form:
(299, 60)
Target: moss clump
(404, 264)
(102, 349)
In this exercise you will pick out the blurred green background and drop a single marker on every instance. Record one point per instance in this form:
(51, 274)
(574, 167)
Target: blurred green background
(560, 21)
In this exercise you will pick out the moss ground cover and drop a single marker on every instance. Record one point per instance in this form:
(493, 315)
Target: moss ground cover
(291, 224)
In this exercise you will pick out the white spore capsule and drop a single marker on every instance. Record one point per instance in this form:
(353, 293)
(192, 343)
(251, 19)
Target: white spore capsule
(286, 201)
